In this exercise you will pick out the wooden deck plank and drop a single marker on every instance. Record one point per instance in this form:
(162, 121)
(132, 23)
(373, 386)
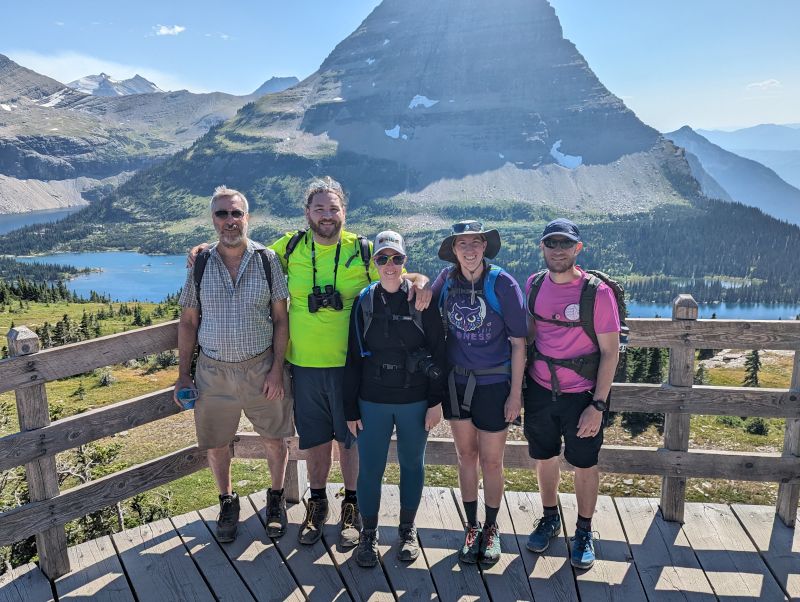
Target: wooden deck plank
(312, 566)
(549, 573)
(362, 583)
(210, 559)
(728, 557)
(25, 584)
(158, 565)
(506, 580)
(441, 533)
(664, 558)
(613, 576)
(778, 544)
(410, 581)
(96, 574)
(255, 557)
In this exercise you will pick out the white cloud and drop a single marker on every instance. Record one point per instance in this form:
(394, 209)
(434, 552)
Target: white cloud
(69, 66)
(164, 30)
(767, 84)
(59, 23)
(220, 35)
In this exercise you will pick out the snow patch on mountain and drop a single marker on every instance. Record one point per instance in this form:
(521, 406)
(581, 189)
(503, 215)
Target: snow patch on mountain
(393, 133)
(5, 107)
(568, 161)
(421, 101)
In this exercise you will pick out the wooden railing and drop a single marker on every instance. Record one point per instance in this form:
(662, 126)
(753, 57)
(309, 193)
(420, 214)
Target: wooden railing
(39, 440)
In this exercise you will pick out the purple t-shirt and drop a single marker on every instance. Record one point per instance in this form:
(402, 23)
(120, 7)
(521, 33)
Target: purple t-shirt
(562, 302)
(477, 336)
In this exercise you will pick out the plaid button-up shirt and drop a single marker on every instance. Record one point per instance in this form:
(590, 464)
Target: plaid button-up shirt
(236, 323)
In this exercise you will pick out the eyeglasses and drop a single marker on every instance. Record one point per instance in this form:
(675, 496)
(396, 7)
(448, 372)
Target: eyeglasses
(223, 213)
(560, 243)
(395, 259)
(463, 227)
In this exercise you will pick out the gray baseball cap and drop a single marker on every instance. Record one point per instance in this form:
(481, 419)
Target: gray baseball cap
(388, 239)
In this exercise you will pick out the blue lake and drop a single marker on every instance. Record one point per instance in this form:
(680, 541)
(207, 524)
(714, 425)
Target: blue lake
(128, 276)
(12, 221)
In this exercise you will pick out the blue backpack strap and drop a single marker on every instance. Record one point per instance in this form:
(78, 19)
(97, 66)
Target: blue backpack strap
(365, 309)
(488, 288)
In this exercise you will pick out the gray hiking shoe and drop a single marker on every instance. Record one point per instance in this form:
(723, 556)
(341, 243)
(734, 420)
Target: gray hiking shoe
(409, 544)
(350, 525)
(276, 514)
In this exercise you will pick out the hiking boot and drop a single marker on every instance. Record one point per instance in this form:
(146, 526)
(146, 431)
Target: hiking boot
(409, 545)
(276, 514)
(367, 551)
(228, 518)
(582, 556)
(350, 525)
(490, 546)
(316, 515)
(546, 528)
(471, 549)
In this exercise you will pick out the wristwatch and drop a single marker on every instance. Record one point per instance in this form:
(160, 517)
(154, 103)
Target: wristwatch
(600, 405)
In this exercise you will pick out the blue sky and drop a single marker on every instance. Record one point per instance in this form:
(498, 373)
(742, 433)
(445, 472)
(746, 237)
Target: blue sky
(706, 63)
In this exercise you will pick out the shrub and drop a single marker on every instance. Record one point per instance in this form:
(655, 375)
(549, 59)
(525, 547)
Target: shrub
(756, 426)
(106, 378)
(732, 421)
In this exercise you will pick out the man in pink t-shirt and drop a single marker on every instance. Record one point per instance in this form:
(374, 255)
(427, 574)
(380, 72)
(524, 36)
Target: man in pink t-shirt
(568, 382)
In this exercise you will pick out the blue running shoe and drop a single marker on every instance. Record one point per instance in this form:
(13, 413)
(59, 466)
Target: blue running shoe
(582, 556)
(546, 528)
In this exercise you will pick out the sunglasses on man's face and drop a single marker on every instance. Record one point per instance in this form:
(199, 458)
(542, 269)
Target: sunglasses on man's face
(223, 213)
(558, 243)
(395, 259)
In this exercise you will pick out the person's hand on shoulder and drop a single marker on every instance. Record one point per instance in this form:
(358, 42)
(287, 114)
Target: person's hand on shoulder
(194, 252)
(420, 291)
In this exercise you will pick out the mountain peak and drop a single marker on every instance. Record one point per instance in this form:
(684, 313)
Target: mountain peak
(104, 85)
(275, 84)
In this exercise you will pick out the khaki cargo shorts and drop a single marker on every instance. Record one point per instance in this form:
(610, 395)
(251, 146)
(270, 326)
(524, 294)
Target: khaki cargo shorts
(225, 389)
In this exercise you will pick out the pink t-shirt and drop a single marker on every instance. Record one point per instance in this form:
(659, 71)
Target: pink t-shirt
(562, 302)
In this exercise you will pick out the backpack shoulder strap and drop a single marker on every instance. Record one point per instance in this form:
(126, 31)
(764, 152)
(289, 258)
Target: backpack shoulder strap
(586, 311)
(266, 265)
(197, 273)
(366, 299)
(366, 255)
(536, 286)
(292, 244)
(448, 281)
(489, 288)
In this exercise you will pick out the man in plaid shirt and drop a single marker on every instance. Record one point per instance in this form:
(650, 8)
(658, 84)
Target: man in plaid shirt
(242, 336)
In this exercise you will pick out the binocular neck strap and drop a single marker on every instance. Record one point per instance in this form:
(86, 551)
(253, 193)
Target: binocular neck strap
(335, 262)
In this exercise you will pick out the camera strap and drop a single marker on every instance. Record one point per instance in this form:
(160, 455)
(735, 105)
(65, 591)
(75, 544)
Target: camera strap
(335, 262)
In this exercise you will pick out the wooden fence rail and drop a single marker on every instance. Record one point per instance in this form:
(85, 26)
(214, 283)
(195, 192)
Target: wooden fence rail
(35, 446)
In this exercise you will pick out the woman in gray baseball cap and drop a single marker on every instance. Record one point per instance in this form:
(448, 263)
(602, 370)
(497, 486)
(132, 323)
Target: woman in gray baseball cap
(394, 378)
(483, 311)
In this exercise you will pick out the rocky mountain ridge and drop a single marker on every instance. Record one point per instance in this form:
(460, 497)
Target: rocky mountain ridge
(103, 85)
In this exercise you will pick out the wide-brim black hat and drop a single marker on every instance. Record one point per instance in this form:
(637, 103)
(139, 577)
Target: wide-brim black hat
(469, 227)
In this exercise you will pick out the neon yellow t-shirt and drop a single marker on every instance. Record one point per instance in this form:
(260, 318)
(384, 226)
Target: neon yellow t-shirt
(319, 339)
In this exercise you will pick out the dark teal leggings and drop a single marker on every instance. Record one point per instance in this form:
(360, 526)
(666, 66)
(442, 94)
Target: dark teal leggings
(379, 420)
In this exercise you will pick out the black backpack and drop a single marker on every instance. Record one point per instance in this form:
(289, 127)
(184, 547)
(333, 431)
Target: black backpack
(585, 365)
(200, 268)
(361, 242)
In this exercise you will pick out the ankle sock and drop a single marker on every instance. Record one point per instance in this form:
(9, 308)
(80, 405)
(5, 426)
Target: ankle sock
(491, 516)
(471, 512)
(550, 511)
(350, 496)
(584, 523)
(318, 493)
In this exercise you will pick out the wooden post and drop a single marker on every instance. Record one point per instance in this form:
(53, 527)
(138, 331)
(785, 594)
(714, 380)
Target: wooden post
(41, 473)
(789, 495)
(296, 481)
(676, 426)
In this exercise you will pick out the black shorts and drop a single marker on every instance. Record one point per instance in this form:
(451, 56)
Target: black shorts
(488, 409)
(547, 421)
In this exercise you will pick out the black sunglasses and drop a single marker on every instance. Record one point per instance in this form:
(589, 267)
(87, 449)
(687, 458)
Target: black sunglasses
(462, 227)
(395, 259)
(223, 213)
(561, 243)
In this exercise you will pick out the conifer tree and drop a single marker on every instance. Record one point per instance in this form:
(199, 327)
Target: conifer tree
(655, 372)
(752, 365)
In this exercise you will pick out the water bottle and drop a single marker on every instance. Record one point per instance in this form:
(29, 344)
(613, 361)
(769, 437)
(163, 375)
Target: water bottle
(187, 396)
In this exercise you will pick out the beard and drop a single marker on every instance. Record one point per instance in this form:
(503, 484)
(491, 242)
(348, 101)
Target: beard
(233, 237)
(561, 266)
(330, 229)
